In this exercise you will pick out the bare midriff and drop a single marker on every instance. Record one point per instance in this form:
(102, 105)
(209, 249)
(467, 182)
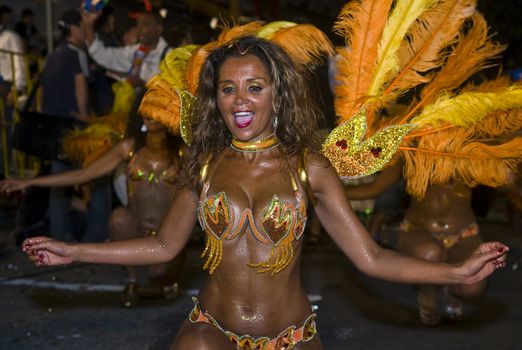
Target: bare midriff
(444, 210)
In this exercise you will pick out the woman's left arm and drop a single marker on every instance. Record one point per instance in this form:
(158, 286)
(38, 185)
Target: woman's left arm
(338, 219)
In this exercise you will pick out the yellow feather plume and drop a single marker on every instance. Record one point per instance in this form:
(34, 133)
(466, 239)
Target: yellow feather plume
(422, 53)
(85, 146)
(468, 108)
(174, 67)
(267, 31)
(124, 97)
(403, 15)
(361, 23)
(498, 122)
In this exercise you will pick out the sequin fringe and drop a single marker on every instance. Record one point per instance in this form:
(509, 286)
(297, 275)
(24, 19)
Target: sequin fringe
(214, 248)
(279, 258)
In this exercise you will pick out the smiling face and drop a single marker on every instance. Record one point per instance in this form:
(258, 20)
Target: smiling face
(244, 96)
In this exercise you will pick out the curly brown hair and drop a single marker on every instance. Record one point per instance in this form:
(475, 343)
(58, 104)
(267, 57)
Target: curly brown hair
(292, 103)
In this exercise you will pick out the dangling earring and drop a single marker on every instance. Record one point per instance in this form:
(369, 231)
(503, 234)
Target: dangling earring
(143, 128)
(275, 122)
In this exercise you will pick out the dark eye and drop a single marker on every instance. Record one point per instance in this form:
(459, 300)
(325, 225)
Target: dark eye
(255, 88)
(228, 89)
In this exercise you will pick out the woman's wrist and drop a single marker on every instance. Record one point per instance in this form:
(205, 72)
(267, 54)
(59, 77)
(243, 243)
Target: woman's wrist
(75, 252)
(456, 274)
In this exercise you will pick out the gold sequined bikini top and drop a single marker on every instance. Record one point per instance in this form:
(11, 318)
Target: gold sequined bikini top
(281, 224)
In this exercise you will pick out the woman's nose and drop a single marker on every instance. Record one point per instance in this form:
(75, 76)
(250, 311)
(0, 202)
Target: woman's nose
(241, 98)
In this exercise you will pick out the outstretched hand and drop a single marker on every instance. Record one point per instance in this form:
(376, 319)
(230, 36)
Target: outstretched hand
(11, 185)
(483, 262)
(45, 251)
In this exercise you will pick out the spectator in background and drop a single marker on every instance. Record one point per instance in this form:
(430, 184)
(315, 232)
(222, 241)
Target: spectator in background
(33, 43)
(130, 35)
(11, 72)
(10, 41)
(65, 93)
(67, 65)
(28, 32)
(137, 63)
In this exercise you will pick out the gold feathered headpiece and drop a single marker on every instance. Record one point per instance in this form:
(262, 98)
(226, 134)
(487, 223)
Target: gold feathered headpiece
(431, 48)
(170, 94)
(87, 145)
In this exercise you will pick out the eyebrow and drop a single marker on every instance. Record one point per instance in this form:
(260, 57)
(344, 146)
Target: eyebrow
(248, 80)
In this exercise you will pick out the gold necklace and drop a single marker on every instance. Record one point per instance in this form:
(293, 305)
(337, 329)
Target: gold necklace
(264, 144)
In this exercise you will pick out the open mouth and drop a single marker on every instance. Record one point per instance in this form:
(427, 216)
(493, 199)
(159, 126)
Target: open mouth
(243, 119)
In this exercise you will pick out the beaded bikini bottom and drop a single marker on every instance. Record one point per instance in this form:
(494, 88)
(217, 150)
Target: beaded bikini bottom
(447, 240)
(285, 340)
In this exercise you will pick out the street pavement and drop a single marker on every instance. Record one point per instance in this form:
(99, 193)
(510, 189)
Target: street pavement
(77, 307)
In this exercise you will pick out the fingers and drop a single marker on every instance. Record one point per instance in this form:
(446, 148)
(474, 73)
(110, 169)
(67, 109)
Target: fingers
(37, 257)
(489, 257)
(5, 187)
(500, 260)
(499, 264)
(9, 186)
(493, 246)
(497, 254)
(31, 243)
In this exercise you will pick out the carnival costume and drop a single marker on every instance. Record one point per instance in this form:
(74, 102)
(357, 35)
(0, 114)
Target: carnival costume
(281, 223)
(452, 130)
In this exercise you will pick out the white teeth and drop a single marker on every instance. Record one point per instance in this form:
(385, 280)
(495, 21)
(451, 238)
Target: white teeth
(243, 114)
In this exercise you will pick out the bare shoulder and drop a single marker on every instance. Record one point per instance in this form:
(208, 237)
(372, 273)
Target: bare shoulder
(320, 171)
(124, 147)
(317, 161)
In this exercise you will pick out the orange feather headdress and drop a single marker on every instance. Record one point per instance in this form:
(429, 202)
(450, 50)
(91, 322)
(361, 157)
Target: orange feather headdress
(429, 49)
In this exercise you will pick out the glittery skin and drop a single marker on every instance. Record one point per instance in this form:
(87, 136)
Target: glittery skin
(287, 339)
(354, 157)
(254, 318)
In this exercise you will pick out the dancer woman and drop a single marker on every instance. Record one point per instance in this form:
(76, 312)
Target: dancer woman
(252, 126)
(151, 155)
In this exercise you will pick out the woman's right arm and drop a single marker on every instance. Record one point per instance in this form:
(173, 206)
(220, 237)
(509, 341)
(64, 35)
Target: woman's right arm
(102, 166)
(173, 234)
